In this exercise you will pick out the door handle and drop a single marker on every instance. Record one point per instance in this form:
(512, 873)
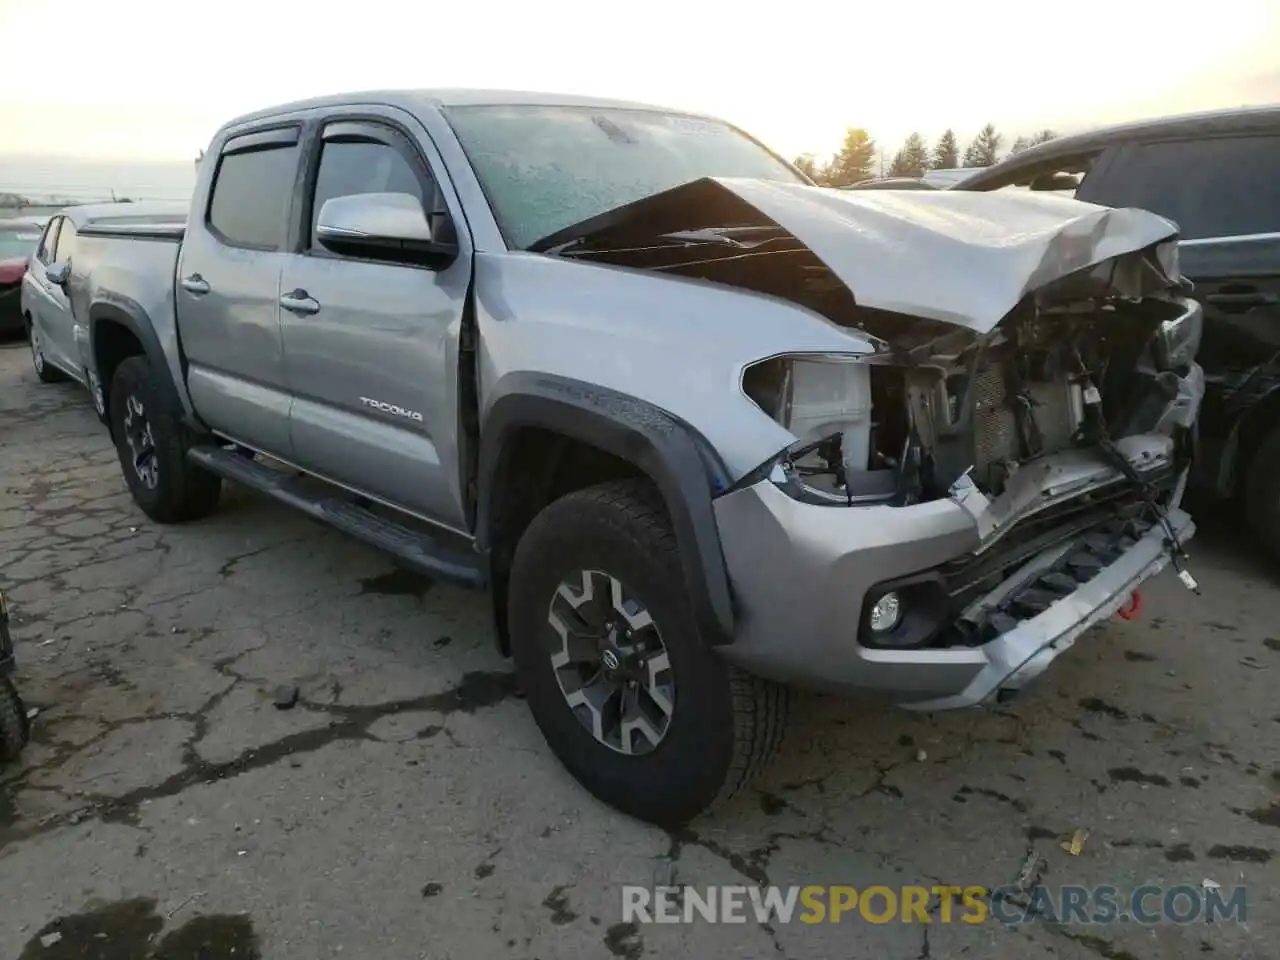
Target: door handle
(300, 302)
(195, 284)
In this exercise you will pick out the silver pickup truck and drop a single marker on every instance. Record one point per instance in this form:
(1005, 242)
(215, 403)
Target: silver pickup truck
(703, 430)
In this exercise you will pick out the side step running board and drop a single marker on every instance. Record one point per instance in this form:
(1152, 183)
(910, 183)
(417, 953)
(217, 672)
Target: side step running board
(414, 549)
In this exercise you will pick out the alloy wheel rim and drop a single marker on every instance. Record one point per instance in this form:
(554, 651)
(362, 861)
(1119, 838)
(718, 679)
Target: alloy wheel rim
(37, 350)
(610, 662)
(142, 446)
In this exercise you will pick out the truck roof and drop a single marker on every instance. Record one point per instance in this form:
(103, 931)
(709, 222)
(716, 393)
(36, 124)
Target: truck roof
(453, 97)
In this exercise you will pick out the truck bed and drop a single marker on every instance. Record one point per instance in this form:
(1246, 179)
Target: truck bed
(128, 260)
(138, 230)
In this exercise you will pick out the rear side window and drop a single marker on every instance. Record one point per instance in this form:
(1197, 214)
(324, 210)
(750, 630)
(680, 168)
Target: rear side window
(251, 191)
(1219, 187)
(350, 167)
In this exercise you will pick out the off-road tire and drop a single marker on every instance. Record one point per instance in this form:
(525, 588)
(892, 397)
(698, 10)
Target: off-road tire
(183, 491)
(15, 728)
(725, 725)
(1262, 495)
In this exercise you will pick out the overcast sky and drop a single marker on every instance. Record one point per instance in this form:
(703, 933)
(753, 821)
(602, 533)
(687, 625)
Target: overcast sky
(154, 78)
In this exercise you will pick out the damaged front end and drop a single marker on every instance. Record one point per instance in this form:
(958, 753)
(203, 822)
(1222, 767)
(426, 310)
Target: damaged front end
(1058, 397)
(998, 474)
(1071, 423)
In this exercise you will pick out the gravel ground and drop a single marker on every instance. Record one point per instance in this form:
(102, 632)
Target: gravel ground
(407, 807)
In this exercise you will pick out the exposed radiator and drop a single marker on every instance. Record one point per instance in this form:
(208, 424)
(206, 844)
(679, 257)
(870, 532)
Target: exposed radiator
(996, 439)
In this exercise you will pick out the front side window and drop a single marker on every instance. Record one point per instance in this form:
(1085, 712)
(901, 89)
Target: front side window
(544, 168)
(1213, 187)
(50, 241)
(66, 242)
(251, 191)
(352, 167)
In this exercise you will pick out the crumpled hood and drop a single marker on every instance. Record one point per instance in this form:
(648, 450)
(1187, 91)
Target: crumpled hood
(965, 258)
(968, 258)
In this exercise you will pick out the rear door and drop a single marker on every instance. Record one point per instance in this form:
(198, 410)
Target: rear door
(1222, 192)
(228, 287)
(372, 349)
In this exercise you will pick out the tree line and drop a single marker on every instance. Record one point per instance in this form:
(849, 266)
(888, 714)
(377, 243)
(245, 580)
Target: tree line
(859, 157)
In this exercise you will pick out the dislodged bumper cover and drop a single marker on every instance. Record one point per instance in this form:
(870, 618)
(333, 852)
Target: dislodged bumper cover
(1016, 658)
(802, 606)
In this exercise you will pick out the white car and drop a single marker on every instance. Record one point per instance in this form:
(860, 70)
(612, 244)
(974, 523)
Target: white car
(59, 342)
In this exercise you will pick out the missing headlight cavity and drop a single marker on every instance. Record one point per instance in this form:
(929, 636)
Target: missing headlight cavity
(904, 425)
(849, 420)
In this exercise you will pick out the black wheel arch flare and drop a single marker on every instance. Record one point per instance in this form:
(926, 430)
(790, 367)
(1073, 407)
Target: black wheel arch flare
(130, 315)
(680, 461)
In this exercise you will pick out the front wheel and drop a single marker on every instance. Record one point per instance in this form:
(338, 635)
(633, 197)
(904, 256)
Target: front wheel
(46, 371)
(152, 443)
(625, 692)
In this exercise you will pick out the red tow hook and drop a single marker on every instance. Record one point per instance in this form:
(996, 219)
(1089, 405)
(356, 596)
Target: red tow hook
(1133, 609)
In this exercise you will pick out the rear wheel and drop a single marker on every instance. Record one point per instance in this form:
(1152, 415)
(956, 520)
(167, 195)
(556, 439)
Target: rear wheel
(1262, 495)
(152, 444)
(46, 371)
(627, 695)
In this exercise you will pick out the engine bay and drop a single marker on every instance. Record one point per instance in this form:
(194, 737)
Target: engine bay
(906, 425)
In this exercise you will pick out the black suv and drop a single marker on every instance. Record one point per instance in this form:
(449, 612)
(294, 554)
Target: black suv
(1217, 175)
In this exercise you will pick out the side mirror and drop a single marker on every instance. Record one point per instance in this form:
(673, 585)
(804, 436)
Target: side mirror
(380, 224)
(57, 273)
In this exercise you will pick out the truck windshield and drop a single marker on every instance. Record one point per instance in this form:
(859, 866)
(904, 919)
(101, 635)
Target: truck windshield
(544, 168)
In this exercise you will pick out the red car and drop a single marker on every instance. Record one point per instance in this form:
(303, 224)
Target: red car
(18, 239)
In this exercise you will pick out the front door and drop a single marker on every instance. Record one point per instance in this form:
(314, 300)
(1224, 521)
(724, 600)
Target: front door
(59, 323)
(49, 301)
(228, 288)
(370, 346)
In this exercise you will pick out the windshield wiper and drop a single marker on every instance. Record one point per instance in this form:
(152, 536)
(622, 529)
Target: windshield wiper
(725, 236)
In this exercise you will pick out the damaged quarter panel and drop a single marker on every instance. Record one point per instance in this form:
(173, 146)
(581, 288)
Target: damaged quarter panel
(678, 344)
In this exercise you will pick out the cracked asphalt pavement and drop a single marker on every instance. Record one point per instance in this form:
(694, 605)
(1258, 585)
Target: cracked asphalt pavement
(407, 807)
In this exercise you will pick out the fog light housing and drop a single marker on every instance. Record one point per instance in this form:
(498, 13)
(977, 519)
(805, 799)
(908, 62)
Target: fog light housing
(905, 613)
(885, 614)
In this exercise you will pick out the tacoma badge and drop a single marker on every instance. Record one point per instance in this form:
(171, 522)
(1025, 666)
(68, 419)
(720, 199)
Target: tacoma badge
(391, 408)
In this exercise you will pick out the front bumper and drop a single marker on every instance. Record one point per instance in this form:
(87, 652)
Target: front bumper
(801, 574)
